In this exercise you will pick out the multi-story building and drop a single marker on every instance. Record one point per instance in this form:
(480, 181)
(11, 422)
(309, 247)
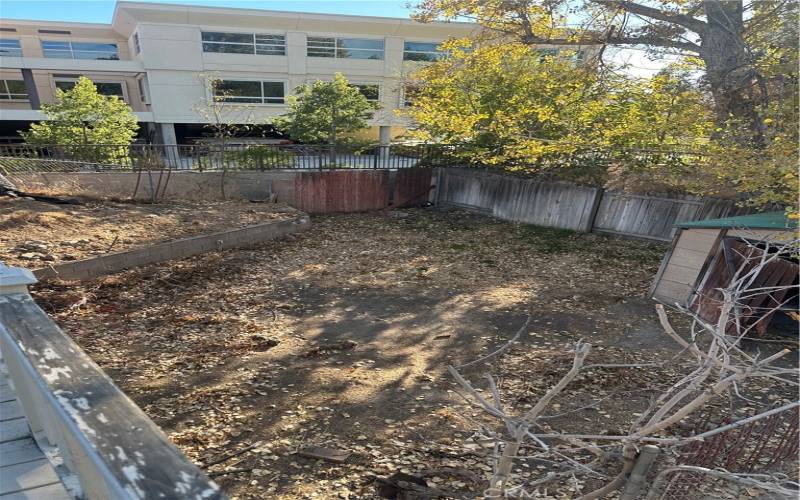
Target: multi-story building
(159, 59)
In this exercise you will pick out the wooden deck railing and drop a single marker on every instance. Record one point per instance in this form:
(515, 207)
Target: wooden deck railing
(104, 439)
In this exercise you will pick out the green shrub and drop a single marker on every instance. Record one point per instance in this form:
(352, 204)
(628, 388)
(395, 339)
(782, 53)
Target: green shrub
(258, 158)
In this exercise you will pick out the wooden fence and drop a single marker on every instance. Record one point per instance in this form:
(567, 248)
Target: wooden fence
(360, 190)
(569, 206)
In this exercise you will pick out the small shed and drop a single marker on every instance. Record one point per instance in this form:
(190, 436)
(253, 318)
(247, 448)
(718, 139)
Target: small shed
(700, 258)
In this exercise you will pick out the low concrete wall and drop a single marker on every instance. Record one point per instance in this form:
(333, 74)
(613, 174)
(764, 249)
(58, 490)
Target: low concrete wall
(169, 185)
(177, 249)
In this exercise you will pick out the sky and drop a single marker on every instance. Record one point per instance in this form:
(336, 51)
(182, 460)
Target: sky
(100, 11)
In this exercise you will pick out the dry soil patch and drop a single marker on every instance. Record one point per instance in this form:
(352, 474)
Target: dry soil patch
(34, 234)
(340, 337)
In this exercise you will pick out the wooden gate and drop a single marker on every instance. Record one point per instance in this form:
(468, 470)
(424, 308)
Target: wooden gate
(412, 186)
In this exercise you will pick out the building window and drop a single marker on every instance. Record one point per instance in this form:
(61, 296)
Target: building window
(249, 92)
(372, 91)
(10, 48)
(80, 50)
(271, 45)
(409, 92)
(137, 47)
(344, 48)
(421, 51)
(103, 88)
(142, 86)
(244, 43)
(13, 90)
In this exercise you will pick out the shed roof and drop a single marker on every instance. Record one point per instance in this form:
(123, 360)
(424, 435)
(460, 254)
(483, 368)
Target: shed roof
(767, 220)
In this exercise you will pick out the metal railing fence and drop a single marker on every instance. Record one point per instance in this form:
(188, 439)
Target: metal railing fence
(30, 158)
(587, 164)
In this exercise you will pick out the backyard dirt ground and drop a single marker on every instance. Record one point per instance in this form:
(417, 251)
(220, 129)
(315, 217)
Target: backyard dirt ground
(35, 234)
(341, 336)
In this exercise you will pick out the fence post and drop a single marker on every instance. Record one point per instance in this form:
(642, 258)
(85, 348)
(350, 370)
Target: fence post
(639, 473)
(600, 192)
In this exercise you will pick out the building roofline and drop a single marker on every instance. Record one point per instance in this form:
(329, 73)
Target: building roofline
(264, 12)
(37, 22)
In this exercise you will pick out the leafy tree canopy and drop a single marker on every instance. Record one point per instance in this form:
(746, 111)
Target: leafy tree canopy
(738, 44)
(733, 96)
(326, 112)
(81, 116)
(514, 106)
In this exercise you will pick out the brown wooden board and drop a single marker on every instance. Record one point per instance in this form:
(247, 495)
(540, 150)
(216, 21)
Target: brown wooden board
(412, 187)
(341, 191)
(731, 256)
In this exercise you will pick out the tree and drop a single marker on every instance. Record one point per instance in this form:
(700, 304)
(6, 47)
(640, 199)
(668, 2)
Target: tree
(509, 106)
(728, 36)
(326, 112)
(81, 117)
(225, 118)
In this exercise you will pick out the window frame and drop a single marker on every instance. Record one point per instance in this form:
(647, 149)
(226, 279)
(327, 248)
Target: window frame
(95, 81)
(9, 94)
(71, 51)
(143, 89)
(337, 50)
(438, 54)
(261, 81)
(311, 81)
(17, 49)
(404, 103)
(253, 43)
(377, 84)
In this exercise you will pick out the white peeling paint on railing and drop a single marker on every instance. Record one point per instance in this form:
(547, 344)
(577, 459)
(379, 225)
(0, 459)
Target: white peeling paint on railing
(105, 440)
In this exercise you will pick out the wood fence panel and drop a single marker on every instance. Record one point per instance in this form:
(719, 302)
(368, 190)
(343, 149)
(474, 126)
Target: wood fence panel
(654, 217)
(581, 208)
(551, 204)
(342, 191)
(412, 186)
(650, 217)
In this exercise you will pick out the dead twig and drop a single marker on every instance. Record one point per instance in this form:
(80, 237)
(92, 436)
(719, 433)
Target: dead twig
(229, 456)
(230, 471)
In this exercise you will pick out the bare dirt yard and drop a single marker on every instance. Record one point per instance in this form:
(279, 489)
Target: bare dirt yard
(340, 337)
(35, 234)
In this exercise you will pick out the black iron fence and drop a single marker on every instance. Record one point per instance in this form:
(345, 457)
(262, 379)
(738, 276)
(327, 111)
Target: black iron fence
(21, 158)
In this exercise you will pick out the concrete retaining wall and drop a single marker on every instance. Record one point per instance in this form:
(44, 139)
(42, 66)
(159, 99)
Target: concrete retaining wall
(177, 249)
(170, 185)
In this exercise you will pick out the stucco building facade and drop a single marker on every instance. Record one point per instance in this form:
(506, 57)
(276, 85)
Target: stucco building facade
(159, 59)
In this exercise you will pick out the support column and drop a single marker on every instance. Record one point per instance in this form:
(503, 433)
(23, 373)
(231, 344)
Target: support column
(152, 132)
(170, 142)
(385, 138)
(30, 89)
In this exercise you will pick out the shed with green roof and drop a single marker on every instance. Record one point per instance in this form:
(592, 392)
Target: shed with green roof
(696, 244)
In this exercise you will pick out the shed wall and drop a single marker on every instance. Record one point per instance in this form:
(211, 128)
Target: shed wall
(682, 266)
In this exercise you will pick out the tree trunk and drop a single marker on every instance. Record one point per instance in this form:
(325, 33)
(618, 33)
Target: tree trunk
(732, 79)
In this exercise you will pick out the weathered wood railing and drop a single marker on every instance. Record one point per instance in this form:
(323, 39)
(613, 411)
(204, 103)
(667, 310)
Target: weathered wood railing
(104, 439)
